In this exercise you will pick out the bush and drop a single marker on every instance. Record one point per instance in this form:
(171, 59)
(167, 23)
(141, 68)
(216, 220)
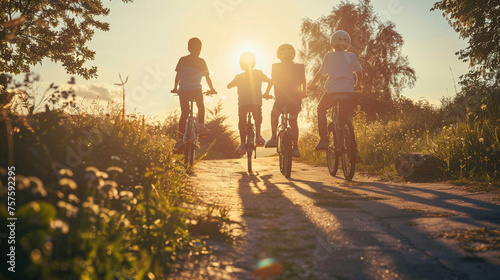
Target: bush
(97, 197)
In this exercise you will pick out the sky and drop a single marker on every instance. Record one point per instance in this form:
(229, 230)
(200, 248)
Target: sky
(147, 38)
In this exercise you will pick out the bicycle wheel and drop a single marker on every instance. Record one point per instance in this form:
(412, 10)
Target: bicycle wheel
(286, 158)
(332, 155)
(190, 144)
(348, 151)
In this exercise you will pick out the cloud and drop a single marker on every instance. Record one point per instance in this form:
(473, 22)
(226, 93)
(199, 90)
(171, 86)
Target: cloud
(102, 91)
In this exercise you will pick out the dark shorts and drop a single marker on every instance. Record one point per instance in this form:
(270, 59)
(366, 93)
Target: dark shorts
(243, 111)
(293, 109)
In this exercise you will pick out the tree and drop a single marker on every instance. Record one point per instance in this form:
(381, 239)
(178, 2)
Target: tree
(477, 21)
(58, 30)
(377, 45)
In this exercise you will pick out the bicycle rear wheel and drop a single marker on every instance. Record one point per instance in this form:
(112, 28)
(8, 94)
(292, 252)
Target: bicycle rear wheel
(190, 144)
(285, 154)
(249, 159)
(332, 155)
(348, 151)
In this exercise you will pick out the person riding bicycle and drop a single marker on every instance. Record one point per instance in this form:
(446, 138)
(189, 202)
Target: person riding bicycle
(341, 67)
(190, 70)
(289, 81)
(249, 84)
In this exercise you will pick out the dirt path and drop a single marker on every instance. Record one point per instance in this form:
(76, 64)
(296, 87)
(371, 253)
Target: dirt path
(320, 227)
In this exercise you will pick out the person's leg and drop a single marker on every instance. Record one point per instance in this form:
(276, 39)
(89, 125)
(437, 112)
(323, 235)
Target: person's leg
(184, 102)
(257, 116)
(198, 97)
(242, 114)
(324, 104)
(275, 114)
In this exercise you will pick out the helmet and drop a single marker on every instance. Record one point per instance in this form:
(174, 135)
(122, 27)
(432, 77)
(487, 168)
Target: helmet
(247, 60)
(341, 38)
(286, 52)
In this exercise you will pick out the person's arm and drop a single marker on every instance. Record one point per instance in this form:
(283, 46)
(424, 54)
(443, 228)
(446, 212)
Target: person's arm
(209, 83)
(303, 83)
(315, 80)
(266, 95)
(359, 80)
(233, 83)
(177, 80)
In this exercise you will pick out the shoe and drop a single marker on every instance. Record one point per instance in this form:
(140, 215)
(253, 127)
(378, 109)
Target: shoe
(271, 143)
(295, 153)
(241, 150)
(260, 141)
(203, 131)
(177, 148)
(323, 144)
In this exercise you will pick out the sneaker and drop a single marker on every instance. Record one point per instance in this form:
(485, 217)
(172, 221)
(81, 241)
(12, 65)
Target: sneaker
(177, 148)
(241, 150)
(323, 145)
(260, 141)
(203, 131)
(295, 153)
(271, 143)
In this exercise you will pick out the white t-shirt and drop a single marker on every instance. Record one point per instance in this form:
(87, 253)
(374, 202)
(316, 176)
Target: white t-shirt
(339, 66)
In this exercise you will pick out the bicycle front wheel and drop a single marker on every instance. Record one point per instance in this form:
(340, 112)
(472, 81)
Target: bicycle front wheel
(332, 155)
(249, 159)
(286, 154)
(348, 151)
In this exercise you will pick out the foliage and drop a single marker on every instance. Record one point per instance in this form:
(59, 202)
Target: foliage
(97, 197)
(470, 146)
(479, 23)
(378, 47)
(59, 30)
(221, 143)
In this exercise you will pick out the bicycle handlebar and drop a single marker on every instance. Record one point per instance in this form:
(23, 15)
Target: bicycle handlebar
(208, 92)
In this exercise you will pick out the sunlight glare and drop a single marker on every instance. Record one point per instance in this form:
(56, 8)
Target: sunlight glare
(262, 55)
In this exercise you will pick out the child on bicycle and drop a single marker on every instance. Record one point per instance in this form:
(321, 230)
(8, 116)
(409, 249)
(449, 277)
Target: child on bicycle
(249, 84)
(344, 76)
(289, 81)
(190, 69)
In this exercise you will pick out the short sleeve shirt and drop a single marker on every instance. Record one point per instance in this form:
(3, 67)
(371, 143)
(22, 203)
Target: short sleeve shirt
(287, 80)
(190, 70)
(340, 66)
(250, 87)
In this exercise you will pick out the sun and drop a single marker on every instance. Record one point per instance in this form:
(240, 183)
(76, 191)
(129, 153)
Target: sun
(260, 50)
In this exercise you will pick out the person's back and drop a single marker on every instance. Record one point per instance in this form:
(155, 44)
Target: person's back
(249, 85)
(287, 79)
(341, 67)
(289, 83)
(190, 70)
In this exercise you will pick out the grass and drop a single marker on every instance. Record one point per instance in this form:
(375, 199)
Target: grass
(468, 146)
(101, 196)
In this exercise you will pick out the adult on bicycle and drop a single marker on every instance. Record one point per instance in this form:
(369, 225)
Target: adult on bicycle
(249, 84)
(190, 69)
(289, 81)
(344, 77)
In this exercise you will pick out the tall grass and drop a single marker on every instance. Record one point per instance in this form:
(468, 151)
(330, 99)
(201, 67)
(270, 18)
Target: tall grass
(98, 196)
(469, 145)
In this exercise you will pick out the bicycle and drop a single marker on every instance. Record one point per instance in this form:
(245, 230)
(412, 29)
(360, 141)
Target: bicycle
(190, 137)
(342, 141)
(284, 144)
(250, 146)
